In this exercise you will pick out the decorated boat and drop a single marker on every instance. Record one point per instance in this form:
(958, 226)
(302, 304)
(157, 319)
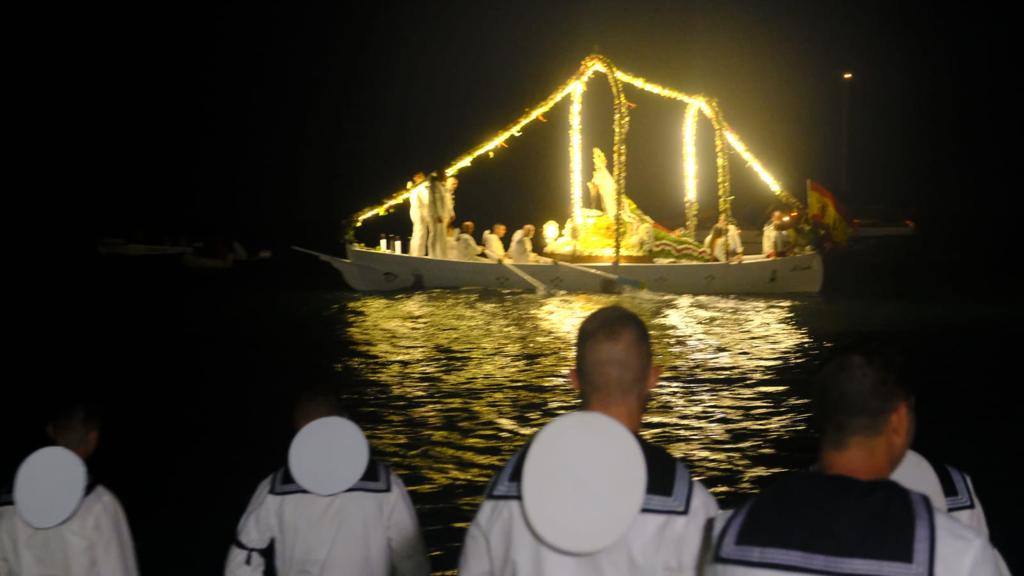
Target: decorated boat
(609, 241)
(376, 271)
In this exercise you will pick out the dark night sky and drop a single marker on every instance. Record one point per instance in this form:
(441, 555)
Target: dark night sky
(273, 122)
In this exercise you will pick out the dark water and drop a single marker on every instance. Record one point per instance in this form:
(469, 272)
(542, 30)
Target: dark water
(197, 370)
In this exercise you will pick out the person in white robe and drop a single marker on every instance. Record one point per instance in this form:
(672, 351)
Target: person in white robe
(452, 183)
(716, 243)
(466, 247)
(370, 529)
(614, 374)
(733, 239)
(520, 249)
(442, 214)
(95, 540)
(792, 527)
(494, 248)
(949, 489)
(419, 213)
(730, 249)
(775, 240)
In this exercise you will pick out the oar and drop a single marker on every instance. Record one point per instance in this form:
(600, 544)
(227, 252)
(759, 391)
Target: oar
(537, 284)
(305, 251)
(622, 280)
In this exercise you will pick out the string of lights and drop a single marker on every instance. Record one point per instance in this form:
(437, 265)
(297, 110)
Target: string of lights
(576, 153)
(721, 160)
(690, 118)
(574, 87)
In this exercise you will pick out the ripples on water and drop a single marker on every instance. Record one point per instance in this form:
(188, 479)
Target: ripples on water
(448, 384)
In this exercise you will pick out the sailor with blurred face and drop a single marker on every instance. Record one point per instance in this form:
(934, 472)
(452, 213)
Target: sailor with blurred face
(732, 246)
(369, 529)
(775, 238)
(494, 249)
(520, 250)
(419, 213)
(95, 540)
(442, 213)
(614, 375)
(466, 246)
(848, 517)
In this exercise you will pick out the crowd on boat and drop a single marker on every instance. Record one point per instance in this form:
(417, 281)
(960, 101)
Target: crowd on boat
(432, 211)
(434, 235)
(870, 506)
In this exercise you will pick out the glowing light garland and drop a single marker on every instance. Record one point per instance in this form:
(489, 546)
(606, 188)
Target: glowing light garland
(721, 161)
(576, 152)
(690, 118)
(575, 86)
(620, 119)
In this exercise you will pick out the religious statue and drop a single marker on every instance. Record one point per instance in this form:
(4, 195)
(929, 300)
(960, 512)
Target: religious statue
(640, 235)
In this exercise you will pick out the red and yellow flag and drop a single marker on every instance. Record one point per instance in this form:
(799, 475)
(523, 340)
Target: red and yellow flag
(823, 209)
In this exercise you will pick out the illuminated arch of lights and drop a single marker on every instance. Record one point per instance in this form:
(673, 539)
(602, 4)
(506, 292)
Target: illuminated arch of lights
(574, 87)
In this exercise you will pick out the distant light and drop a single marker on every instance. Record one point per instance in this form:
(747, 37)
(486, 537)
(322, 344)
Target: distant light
(847, 75)
(550, 231)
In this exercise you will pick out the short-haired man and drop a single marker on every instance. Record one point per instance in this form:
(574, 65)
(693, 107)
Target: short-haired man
(95, 540)
(775, 239)
(466, 247)
(494, 248)
(369, 529)
(848, 517)
(614, 374)
(520, 249)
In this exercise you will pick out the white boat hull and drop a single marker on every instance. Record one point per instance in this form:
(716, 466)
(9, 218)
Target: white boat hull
(375, 271)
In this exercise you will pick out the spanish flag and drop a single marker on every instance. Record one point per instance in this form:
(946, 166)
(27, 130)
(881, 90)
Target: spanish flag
(824, 210)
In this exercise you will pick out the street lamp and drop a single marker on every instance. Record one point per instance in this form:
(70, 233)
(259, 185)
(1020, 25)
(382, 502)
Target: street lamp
(845, 152)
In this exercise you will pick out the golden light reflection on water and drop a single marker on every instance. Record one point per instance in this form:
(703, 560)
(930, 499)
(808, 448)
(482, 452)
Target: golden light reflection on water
(455, 381)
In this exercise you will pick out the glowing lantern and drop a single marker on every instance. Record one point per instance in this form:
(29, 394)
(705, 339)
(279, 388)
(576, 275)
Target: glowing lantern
(550, 231)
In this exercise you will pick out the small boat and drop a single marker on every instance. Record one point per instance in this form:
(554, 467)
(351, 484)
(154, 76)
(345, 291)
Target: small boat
(379, 271)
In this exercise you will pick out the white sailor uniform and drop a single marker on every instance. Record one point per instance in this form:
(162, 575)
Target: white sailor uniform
(520, 249)
(466, 247)
(440, 215)
(949, 489)
(810, 523)
(368, 530)
(493, 246)
(94, 541)
(665, 538)
(419, 213)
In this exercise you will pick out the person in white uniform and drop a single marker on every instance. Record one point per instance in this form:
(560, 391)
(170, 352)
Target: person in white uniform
(442, 214)
(368, 530)
(466, 246)
(614, 375)
(949, 489)
(494, 248)
(775, 239)
(724, 241)
(520, 249)
(95, 540)
(848, 517)
(419, 213)
(731, 248)
(716, 243)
